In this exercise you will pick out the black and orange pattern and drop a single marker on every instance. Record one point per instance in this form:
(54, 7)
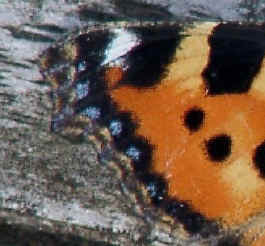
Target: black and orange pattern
(184, 103)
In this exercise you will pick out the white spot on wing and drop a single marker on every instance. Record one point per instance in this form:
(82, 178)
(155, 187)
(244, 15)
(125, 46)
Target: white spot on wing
(91, 112)
(115, 127)
(82, 90)
(81, 66)
(134, 153)
(121, 44)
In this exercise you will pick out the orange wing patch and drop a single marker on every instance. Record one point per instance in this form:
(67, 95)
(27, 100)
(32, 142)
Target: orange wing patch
(229, 190)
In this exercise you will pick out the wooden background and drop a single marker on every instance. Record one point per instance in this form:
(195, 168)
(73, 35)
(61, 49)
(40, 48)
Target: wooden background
(53, 192)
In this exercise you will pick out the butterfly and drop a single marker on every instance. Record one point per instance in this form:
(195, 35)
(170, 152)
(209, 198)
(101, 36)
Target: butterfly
(184, 103)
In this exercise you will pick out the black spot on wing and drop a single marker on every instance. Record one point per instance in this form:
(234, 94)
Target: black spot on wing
(235, 58)
(219, 147)
(259, 159)
(193, 119)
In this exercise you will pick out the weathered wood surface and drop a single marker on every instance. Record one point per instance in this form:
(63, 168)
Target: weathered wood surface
(52, 191)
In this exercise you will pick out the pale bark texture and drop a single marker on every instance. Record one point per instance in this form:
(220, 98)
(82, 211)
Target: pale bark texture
(54, 192)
